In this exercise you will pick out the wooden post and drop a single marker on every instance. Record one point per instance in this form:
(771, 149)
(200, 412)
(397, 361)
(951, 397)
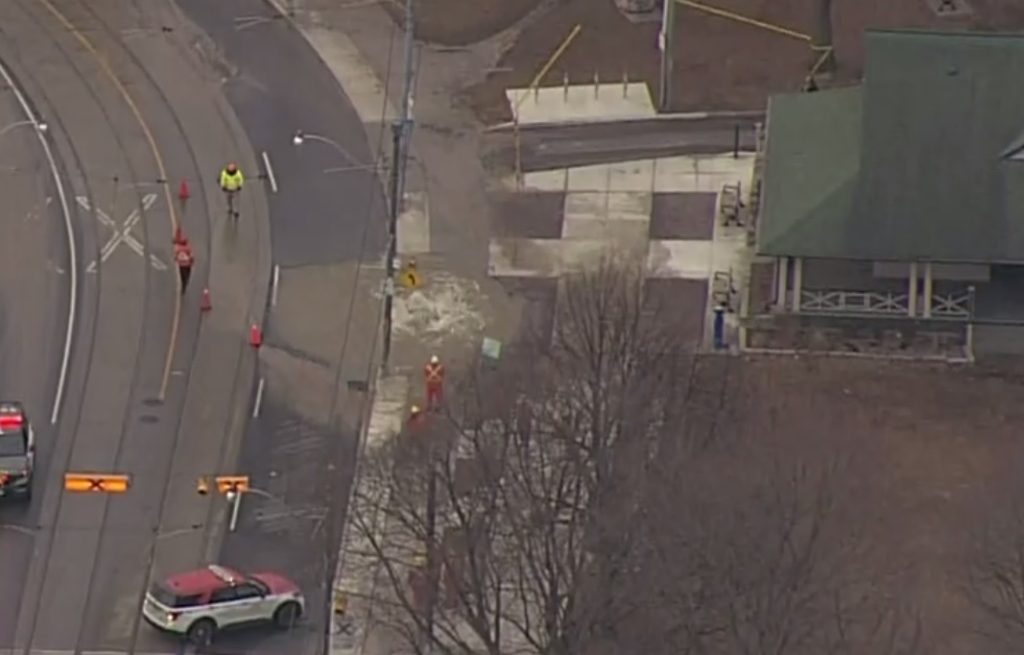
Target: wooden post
(927, 309)
(781, 282)
(798, 282)
(912, 290)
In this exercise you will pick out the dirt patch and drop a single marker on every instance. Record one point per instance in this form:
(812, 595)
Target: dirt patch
(718, 63)
(928, 452)
(458, 22)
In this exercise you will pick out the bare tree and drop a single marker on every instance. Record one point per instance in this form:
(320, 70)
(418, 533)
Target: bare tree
(535, 515)
(517, 497)
(756, 556)
(995, 580)
(427, 525)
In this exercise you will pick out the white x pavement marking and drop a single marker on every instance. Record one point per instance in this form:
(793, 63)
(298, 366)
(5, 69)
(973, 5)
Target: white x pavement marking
(124, 233)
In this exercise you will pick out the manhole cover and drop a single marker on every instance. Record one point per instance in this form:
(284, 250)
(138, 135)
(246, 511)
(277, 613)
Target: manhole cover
(152, 402)
(149, 418)
(358, 385)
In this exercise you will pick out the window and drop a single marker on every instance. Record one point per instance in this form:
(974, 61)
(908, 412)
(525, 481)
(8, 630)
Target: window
(247, 591)
(263, 589)
(12, 445)
(166, 597)
(223, 595)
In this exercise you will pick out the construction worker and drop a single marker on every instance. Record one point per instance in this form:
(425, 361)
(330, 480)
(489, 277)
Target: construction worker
(184, 259)
(415, 417)
(231, 182)
(433, 375)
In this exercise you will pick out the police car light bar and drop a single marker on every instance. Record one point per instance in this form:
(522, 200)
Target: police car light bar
(11, 421)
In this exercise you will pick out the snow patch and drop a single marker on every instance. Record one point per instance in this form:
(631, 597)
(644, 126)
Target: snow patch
(446, 306)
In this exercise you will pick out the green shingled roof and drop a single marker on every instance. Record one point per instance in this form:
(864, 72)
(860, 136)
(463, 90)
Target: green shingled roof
(924, 161)
(812, 158)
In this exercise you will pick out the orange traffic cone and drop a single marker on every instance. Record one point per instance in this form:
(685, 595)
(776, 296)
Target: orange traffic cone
(183, 190)
(255, 336)
(206, 305)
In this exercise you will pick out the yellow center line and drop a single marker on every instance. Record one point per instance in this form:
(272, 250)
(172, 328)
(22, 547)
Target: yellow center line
(159, 164)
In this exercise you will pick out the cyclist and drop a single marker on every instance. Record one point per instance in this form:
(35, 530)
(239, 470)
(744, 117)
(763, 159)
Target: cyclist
(231, 182)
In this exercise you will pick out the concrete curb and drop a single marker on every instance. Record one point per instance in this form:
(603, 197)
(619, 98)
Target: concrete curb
(751, 115)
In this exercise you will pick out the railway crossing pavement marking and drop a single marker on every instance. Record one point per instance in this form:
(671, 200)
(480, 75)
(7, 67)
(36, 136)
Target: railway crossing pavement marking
(104, 63)
(122, 234)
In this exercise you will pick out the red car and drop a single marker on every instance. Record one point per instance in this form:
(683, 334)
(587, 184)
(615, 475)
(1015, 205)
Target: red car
(199, 603)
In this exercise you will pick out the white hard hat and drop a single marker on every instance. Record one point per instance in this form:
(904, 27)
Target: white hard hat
(434, 359)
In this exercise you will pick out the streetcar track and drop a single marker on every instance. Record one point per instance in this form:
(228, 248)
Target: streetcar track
(105, 530)
(32, 115)
(222, 458)
(208, 223)
(58, 121)
(137, 368)
(161, 168)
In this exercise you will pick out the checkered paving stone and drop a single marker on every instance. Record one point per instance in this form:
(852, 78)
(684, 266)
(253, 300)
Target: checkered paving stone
(685, 304)
(683, 216)
(530, 215)
(539, 296)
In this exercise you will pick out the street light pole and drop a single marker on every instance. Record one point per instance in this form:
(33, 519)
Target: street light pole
(401, 131)
(665, 44)
(39, 126)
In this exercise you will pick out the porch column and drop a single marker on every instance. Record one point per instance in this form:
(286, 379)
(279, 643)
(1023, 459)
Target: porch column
(781, 282)
(912, 290)
(798, 282)
(927, 311)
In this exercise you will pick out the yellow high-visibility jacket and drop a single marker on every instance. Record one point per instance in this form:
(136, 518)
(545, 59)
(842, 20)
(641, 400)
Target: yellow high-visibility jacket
(231, 182)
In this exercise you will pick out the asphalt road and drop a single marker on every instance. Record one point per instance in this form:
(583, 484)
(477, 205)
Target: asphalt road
(34, 279)
(78, 564)
(75, 574)
(125, 324)
(549, 147)
(279, 86)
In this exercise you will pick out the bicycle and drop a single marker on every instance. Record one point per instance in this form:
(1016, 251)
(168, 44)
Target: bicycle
(231, 193)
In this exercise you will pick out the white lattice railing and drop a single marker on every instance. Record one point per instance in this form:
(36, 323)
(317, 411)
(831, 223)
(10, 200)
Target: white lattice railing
(953, 305)
(848, 302)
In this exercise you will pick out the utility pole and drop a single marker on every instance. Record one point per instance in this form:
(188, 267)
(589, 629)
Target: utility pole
(665, 44)
(401, 131)
(824, 61)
